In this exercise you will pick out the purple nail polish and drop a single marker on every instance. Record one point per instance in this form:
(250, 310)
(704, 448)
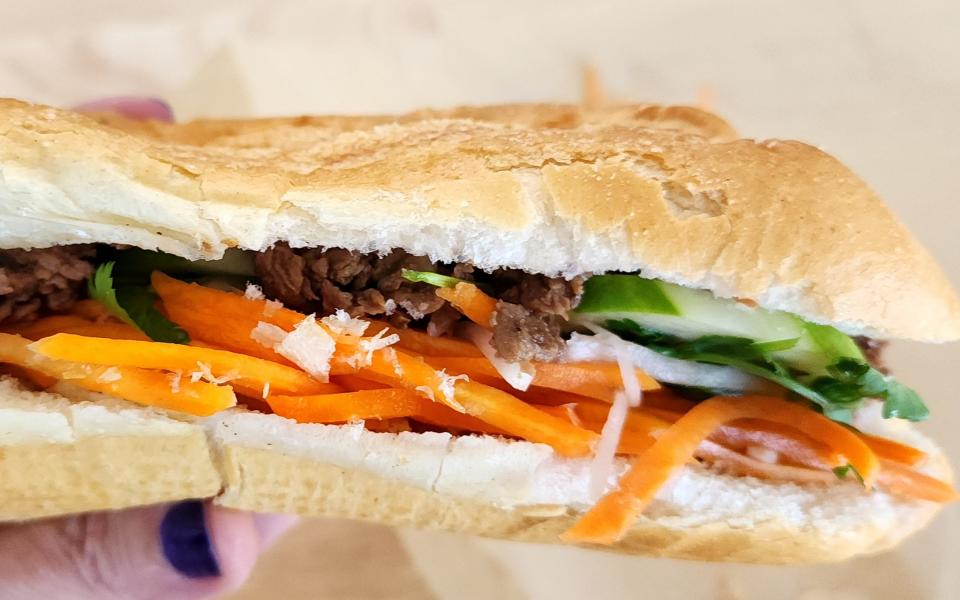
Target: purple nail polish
(131, 106)
(186, 542)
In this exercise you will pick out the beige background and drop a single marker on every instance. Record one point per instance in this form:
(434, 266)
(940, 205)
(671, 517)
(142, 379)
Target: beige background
(874, 82)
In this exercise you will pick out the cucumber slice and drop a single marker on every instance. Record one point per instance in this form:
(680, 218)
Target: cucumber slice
(690, 314)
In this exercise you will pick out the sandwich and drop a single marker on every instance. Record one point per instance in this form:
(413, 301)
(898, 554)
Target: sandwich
(619, 327)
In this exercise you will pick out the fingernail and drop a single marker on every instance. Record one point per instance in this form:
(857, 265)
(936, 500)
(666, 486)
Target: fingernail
(186, 542)
(134, 107)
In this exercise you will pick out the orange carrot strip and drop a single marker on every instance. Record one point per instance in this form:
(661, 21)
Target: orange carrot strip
(150, 388)
(471, 301)
(586, 379)
(226, 319)
(93, 310)
(609, 519)
(793, 446)
(48, 326)
(728, 461)
(894, 451)
(639, 429)
(421, 343)
(493, 406)
(356, 383)
(439, 415)
(251, 374)
(350, 406)
(899, 479)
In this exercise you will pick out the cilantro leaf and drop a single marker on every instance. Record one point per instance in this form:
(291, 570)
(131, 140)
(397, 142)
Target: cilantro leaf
(134, 304)
(838, 392)
(843, 471)
(100, 288)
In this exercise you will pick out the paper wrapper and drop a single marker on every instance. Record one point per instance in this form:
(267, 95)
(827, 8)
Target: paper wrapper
(865, 83)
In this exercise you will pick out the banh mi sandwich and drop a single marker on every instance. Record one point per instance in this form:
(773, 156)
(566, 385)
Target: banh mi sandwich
(619, 327)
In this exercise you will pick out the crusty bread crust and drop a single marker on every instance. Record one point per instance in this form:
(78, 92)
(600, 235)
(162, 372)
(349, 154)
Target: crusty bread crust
(130, 456)
(546, 189)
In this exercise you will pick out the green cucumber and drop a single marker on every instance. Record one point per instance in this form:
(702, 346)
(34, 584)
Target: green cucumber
(690, 314)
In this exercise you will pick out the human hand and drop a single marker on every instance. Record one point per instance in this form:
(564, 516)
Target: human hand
(188, 550)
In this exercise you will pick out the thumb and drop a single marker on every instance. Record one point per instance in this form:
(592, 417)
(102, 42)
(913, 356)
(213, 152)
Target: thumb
(189, 550)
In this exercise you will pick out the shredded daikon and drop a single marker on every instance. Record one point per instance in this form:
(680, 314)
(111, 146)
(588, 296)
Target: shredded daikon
(110, 375)
(342, 323)
(586, 348)
(308, 346)
(571, 410)
(426, 391)
(447, 387)
(253, 292)
(268, 335)
(270, 307)
(365, 349)
(175, 379)
(266, 390)
(518, 374)
(391, 355)
(767, 455)
(390, 307)
(206, 374)
(602, 466)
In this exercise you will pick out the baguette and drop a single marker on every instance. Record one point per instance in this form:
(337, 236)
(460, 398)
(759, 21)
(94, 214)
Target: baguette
(548, 189)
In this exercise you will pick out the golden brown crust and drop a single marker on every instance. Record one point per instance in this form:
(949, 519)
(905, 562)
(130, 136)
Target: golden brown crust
(105, 472)
(262, 480)
(781, 223)
(59, 457)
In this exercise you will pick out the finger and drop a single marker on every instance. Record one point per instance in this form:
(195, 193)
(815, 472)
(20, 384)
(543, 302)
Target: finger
(188, 550)
(133, 107)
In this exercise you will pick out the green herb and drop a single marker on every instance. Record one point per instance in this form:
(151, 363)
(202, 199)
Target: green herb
(842, 472)
(434, 279)
(135, 305)
(100, 288)
(838, 394)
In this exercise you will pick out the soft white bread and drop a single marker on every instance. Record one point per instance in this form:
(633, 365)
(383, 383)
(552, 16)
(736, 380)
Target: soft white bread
(58, 457)
(551, 190)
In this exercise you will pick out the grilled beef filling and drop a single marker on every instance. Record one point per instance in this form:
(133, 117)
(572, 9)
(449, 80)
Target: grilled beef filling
(527, 325)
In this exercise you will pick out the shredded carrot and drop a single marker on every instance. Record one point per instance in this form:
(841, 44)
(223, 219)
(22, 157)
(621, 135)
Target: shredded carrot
(250, 374)
(609, 519)
(471, 302)
(639, 430)
(350, 406)
(728, 461)
(594, 380)
(93, 310)
(379, 404)
(899, 479)
(894, 451)
(48, 326)
(423, 344)
(794, 447)
(495, 407)
(150, 388)
(356, 383)
(226, 319)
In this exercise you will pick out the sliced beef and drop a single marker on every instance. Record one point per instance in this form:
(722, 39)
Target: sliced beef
(324, 281)
(45, 280)
(523, 334)
(873, 350)
(549, 295)
(370, 285)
